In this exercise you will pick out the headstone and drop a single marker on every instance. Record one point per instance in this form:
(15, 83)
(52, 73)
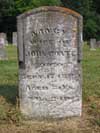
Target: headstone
(49, 45)
(2, 49)
(4, 38)
(6, 42)
(98, 44)
(92, 44)
(14, 38)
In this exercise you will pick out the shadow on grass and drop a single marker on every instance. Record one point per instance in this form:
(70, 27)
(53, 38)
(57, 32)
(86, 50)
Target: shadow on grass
(9, 92)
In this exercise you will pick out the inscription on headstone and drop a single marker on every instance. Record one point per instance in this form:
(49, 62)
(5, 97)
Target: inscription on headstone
(14, 38)
(49, 45)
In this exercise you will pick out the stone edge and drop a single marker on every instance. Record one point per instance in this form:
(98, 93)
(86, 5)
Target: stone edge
(49, 8)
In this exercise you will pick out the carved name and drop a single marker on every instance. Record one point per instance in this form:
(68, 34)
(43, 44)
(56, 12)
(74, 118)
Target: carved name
(48, 30)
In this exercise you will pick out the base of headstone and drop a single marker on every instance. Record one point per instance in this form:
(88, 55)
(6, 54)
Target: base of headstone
(92, 49)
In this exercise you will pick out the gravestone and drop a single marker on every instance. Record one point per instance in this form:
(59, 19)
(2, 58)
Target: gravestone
(50, 51)
(98, 44)
(14, 38)
(92, 44)
(4, 38)
(2, 49)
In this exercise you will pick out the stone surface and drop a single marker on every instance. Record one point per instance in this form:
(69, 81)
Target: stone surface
(2, 48)
(4, 39)
(50, 51)
(14, 38)
(93, 44)
(98, 44)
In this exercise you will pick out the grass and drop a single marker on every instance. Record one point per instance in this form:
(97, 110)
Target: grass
(10, 117)
(91, 73)
(9, 75)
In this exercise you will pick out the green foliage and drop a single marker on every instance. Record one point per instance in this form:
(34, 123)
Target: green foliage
(72, 4)
(15, 7)
(90, 10)
(6, 7)
(25, 5)
(91, 28)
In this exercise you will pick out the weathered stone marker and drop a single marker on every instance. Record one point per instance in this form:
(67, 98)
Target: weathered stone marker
(14, 38)
(98, 44)
(92, 44)
(4, 39)
(49, 44)
(3, 55)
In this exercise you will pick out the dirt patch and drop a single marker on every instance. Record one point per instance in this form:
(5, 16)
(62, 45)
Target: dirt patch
(84, 124)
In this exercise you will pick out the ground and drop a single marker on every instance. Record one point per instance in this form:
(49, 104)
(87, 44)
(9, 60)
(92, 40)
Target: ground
(11, 121)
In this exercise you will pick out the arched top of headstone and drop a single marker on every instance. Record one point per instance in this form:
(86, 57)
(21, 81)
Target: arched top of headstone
(50, 8)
